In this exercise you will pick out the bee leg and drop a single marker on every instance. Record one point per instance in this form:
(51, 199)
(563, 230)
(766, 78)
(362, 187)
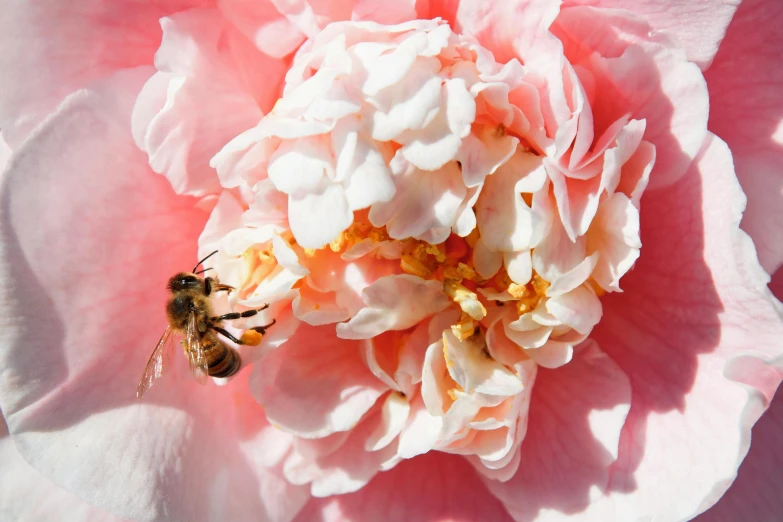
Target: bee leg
(219, 287)
(250, 337)
(227, 334)
(238, 315)
(262, 329)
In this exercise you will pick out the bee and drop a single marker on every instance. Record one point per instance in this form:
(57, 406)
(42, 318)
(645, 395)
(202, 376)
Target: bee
(189, 312)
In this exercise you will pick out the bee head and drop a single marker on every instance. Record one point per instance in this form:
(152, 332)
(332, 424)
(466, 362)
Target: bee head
(185, 281)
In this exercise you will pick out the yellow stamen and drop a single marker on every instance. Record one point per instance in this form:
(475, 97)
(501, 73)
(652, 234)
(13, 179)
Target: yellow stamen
(435, 250)
(338, 243)
(517, 291)
(465, 328)
(310, 252)
(540, 284)
(411, 265)
(466, 271)
(467, 300)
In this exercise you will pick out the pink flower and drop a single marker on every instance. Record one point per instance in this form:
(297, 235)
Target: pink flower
(499, 243)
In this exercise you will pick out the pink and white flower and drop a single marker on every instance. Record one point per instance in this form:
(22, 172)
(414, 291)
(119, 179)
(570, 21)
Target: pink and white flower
(500, 245)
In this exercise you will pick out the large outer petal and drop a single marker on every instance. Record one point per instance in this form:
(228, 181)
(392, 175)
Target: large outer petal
(26, 495)
(89, 236)
(215, 85)
(745, 82)
(641, 73)
(576, 416)
(755, 495)
(698, 26)
(52, 48)
(430, 488)
(695, 332)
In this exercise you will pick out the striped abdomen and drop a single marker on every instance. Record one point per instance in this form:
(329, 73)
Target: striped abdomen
(223, 361)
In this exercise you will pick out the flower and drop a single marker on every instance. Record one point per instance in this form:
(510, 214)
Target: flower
(501, 248)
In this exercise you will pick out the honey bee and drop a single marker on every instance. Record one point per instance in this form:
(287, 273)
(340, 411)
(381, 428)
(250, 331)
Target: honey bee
(189, 312)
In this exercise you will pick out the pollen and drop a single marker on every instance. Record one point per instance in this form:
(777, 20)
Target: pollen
(338, 243)
(528, 295)
(465, 328)
(251, 338)
(435, 250)
(411, 265)
(467, 300)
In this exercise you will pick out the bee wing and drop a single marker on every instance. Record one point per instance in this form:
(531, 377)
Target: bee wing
(197, 359)
(157, 364)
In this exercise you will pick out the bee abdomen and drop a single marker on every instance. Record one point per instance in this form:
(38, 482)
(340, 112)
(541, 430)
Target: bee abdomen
(226, 361)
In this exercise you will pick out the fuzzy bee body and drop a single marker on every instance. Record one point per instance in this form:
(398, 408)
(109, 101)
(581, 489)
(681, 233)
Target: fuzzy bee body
(189, 312)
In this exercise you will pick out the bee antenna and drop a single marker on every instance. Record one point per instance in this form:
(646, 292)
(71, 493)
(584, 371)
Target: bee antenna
(210, 255)
(202, 271)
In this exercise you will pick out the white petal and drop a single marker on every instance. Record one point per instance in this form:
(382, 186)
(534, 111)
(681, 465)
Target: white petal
(553, 354)
(423, 202)
(394, 302)
(580, 309)
(298, 166)
(574, 277)
(394, 415)
(614, 235)
(485, 261)
(410, 105)
(360, 164)
(438, 143)
(519, 266)
(482, 152)
(421, 432)
(505, 221)
(317, 218)
(474, 371)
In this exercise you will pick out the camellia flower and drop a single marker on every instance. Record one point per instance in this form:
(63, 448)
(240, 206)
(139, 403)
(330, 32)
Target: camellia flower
(499, 247)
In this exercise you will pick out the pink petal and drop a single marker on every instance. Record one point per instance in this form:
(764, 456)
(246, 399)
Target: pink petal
(346, 468)
(27, 495)
(748, 117)
(212, 85)
(429, 488)
(755, 494)
(508, 28)
(640, 74)
(66, 47)
(5, 154)
(90, 234)
(264, 25)
(385, 12)
(576, 414)
(395, 302)
(686, 344)
(394, 413)
(698, 26)
(315, 384)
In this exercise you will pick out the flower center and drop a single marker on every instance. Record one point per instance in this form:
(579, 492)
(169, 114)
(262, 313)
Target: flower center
(436, 211)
